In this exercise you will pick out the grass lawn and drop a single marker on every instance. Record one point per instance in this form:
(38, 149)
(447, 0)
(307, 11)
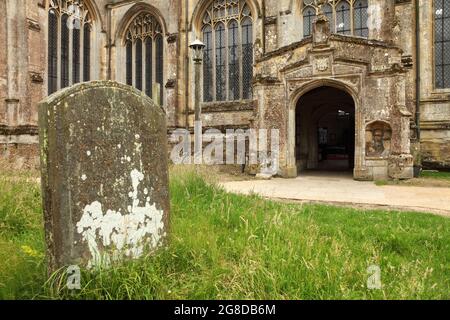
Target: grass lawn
(226, 246)
(436, 175)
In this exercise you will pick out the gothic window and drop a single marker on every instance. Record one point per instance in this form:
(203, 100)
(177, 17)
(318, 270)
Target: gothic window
(328, 10)
(442, 43)
(227, 30)
(360, 16)
(348, 17)
(144, 42)
(309, 13)
(69, 43)
(343, 24)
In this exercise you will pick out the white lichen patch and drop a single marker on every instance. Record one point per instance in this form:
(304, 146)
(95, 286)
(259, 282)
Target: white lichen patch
(112, 234)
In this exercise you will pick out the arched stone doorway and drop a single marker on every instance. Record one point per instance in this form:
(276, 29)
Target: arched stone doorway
(325, 130)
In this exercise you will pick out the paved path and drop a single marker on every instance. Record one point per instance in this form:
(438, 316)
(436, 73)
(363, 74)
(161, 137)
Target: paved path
(339, 188)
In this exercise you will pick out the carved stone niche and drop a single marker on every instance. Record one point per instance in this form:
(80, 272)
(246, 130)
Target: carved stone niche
(321, 30)
(378, 139)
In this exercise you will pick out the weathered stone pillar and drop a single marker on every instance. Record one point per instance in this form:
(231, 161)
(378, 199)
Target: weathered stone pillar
(13, 26)
(381, 20)
(401, 160)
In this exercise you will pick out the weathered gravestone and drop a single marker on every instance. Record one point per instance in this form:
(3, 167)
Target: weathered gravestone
(104, 174)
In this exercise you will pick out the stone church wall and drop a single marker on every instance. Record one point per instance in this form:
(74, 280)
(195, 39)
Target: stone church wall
(278, 33)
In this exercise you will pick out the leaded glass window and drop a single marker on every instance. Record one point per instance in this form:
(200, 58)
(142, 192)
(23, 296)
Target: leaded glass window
(159, 63)
(207, 65)
(144, 41)
(69, 48)
(87, 53)
(360, 16)
(233, 61)
(76, 56)
(148, 67)
(138, 64)
(328, 10)
(442, 43)
(343, 23)
(129, 63)
(220, 62)
(228, 56)
(309, 14)
(345, 17)
(247, 57)
(64, 52)
(52, 51)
